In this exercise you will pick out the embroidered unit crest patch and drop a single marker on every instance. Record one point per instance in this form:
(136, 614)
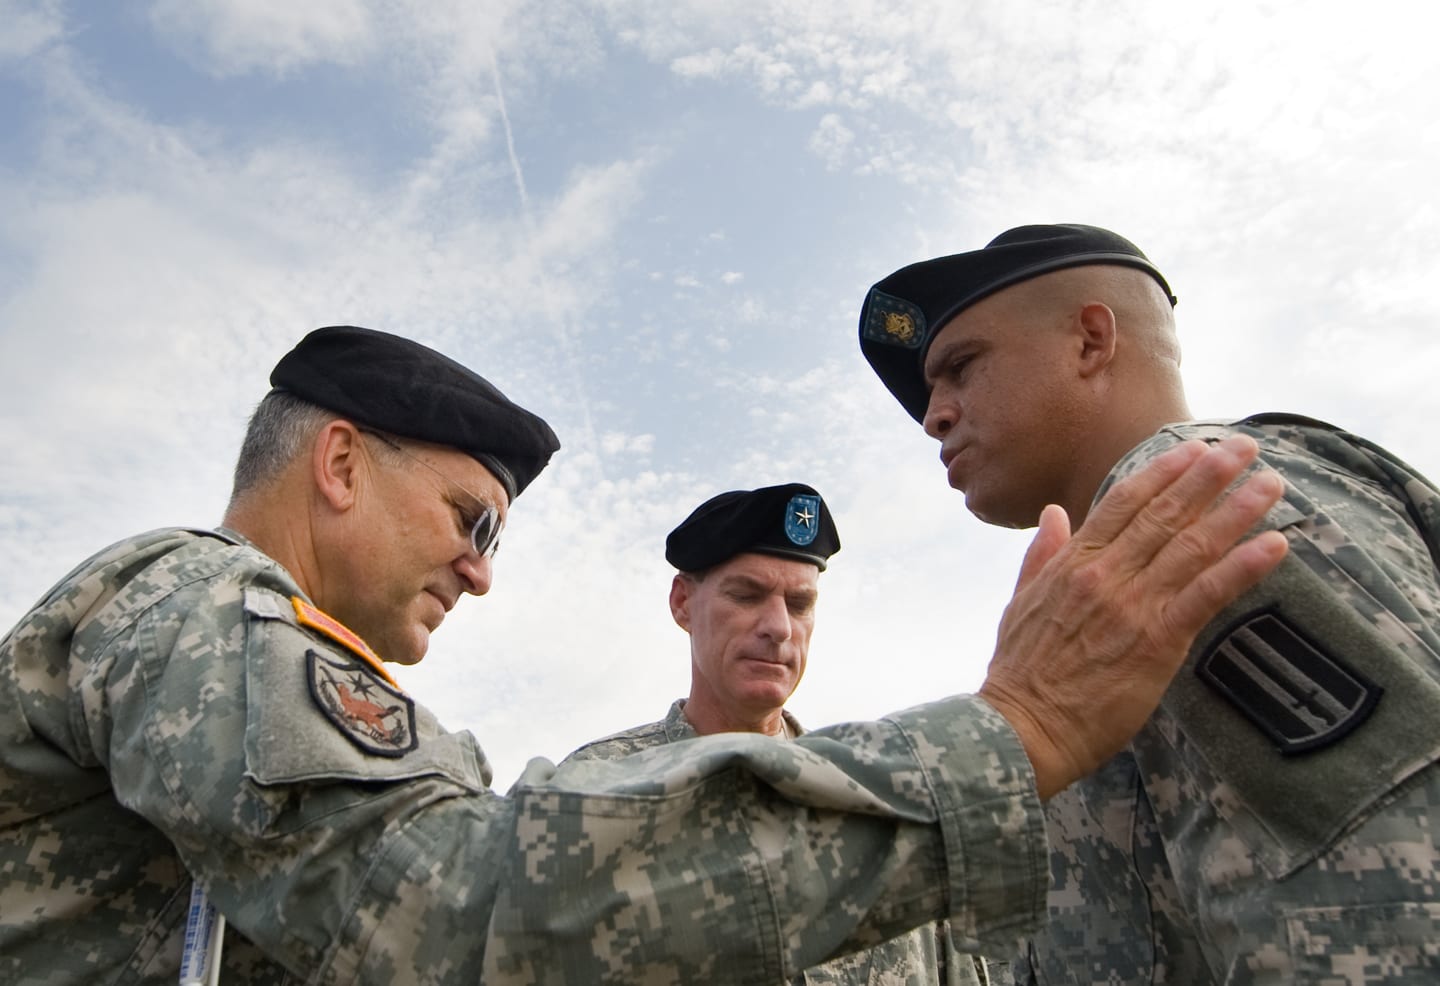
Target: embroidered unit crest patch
(372, 713)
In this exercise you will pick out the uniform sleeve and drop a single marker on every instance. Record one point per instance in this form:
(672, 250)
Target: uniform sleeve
(740, 858)
(380, 857)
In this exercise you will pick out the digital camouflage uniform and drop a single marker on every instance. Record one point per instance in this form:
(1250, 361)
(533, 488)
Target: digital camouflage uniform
(924, 957)
(170, 708)
(1276, 821)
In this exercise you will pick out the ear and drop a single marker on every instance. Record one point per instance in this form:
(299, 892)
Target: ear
(336, 464)
(680, 588)
(1096, 325)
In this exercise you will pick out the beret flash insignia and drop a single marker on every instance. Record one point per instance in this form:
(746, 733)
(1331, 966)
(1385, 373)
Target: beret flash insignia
(802, 518)
(894, 321)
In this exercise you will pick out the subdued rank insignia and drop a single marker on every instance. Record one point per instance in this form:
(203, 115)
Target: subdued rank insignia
(374, 715)
(802, 518)
(1301, 697)
(894, 321)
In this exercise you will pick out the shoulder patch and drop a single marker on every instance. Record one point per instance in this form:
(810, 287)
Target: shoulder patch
(324, 623)
(373, 714)
(1301, 697)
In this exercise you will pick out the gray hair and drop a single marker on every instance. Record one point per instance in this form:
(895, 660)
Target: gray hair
(280, 429)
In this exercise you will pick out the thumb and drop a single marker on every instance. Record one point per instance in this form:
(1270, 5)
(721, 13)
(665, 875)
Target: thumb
(1052, 534)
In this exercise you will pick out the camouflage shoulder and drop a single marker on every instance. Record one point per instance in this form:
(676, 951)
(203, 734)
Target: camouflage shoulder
(1270, 431)
(118, 562)
(168, 568)
(616, 746)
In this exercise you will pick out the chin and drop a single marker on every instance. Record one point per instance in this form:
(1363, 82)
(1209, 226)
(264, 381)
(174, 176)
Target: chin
(1011, 512)
(409, 649)
(769, 698)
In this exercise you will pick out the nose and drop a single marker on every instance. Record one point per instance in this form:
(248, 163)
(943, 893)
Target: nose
(475, 573)
(940, 415)
(774, 622)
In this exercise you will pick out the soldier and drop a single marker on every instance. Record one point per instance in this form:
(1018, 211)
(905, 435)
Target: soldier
(1276, 820)
(745, 593)
(214, 702)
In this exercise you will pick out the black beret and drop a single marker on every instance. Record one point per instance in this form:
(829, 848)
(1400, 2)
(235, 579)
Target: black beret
(399, 386)
(791, 521)
(903, 313)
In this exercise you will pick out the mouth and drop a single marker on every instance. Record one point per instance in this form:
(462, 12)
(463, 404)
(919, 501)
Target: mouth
(778, 663)
(949, 451)
(949, 456)
(447, 602)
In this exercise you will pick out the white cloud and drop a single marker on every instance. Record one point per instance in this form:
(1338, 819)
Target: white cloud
(29, 26)
(731, 277)
(269, 36)
(617, 443)
(832, 140)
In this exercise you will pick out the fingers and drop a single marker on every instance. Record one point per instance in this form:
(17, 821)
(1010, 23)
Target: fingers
(1199, 599)
(1171, 512)
(1155, 502)
(1053, 532)
(1128, 497)
(1206, 595)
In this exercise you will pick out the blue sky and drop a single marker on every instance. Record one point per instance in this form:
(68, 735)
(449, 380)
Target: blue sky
(654, 223)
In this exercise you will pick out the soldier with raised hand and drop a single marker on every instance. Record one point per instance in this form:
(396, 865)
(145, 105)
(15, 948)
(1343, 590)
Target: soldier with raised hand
(1275, 821)
(217, 703)
(746, 593)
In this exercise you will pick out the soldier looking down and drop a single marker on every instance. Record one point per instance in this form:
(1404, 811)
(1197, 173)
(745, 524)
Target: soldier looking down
(746, 591)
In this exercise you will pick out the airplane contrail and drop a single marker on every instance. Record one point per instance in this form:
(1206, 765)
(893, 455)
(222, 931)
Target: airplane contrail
(509, 138)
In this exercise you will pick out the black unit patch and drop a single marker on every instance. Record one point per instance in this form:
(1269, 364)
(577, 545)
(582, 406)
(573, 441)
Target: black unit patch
(374, 715)
(1299, 696)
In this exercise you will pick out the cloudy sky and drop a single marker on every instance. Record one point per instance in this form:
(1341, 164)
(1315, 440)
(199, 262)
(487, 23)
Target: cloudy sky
(653, 222)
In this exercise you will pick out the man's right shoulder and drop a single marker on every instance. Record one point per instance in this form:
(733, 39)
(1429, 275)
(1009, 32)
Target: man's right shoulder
(161, 570)
(168, 555)
(619, 745)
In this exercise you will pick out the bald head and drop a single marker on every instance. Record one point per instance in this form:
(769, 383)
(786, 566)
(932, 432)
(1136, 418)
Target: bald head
(1143, 316)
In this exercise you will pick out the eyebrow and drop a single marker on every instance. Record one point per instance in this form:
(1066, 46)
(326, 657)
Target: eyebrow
(470, 502)
(941, 354)
(755, 585)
